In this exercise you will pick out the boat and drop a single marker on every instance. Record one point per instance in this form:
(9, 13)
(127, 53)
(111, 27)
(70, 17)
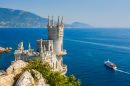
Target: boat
(110, 64)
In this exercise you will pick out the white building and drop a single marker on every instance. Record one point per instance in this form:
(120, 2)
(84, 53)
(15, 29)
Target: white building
(51, 50)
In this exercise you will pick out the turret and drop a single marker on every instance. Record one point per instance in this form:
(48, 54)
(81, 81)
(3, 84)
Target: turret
(58, 21)
(41, 48)
(48, 21)
(52, 21)
(62, 22)
(44, 48)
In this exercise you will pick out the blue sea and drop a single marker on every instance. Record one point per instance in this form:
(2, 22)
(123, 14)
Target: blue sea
(87, 49)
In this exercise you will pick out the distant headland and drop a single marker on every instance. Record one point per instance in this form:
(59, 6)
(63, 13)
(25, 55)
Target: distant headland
(10, 18)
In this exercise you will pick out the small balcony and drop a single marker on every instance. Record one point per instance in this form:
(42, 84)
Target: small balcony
(63, 52)
(64, 70)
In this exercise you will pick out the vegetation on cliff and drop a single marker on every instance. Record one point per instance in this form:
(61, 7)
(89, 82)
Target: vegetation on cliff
(53, 78)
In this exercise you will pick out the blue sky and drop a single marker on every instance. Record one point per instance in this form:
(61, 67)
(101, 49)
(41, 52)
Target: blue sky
(98, 13)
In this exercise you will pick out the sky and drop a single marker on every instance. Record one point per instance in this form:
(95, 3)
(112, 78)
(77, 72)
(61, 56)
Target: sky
(98, 13)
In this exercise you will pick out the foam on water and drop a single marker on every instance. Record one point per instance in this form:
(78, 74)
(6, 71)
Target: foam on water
(122, 47)
(122, 71)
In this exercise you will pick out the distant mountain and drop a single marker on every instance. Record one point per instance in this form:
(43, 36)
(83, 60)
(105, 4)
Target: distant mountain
(22, 19)
(80, 25)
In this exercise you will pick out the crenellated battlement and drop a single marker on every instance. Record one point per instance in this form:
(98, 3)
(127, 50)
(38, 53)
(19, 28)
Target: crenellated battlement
(53, 26)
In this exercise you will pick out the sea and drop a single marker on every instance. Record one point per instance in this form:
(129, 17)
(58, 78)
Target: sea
(87, 49)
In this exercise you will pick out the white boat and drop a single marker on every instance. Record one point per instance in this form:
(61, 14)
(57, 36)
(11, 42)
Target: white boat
(109, 64)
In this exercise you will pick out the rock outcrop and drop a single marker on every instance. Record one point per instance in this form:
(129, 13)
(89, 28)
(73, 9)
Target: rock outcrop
(25, 79)
(3, 50)
(41, 81)
(15, 68)
(7, 80)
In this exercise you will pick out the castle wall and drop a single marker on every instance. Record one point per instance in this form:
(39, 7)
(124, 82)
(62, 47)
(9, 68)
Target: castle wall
(48, 45)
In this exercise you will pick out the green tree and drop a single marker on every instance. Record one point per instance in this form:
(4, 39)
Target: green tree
(53, 78)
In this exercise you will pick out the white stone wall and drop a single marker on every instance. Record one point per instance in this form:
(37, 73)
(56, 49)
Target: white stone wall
(58, 44)
(16, 65)
(47, 43)
(7, 80)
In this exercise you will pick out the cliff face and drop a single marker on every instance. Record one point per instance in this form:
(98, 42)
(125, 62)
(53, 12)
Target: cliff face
(26, 79)
(8, 78)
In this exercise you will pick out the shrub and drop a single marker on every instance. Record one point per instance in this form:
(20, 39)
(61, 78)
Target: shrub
(53, 78)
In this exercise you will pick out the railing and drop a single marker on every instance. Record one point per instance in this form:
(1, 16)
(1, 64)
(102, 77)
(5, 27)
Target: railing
(64, 69)
(64, 50)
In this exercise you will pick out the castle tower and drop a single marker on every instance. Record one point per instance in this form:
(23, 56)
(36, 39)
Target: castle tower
(55, 33)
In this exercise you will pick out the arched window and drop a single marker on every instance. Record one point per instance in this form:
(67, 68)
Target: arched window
(50, 48)
(53, 66)
(61, 47)
(61, 62)
(56, 64)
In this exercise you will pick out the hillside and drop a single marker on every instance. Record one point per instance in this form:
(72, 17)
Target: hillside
(21, 19)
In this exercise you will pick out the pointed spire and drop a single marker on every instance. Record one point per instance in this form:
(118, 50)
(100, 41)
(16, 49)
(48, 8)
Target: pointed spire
(29, 46)
(62, 21)
(52, 21)
(48, 21)
(44, 48)
(58, 20)
(41, 51)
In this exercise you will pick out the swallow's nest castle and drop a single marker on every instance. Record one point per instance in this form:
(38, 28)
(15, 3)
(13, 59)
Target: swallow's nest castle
(51, 50)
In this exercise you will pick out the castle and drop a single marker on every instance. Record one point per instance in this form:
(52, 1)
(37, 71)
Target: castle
(51, 50)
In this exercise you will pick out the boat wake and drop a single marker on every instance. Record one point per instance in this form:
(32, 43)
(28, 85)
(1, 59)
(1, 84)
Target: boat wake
(122, 71)
(122, 47)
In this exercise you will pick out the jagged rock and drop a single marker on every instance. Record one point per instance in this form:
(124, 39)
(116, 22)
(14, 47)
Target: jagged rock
(25, 79)
(17, 65)
(41, 81)
(7, 80)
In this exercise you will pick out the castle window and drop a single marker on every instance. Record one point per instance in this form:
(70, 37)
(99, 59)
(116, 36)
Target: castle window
(61, 62)
(53, 66)
(61, 47)
(56, 64)
(50, 48)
